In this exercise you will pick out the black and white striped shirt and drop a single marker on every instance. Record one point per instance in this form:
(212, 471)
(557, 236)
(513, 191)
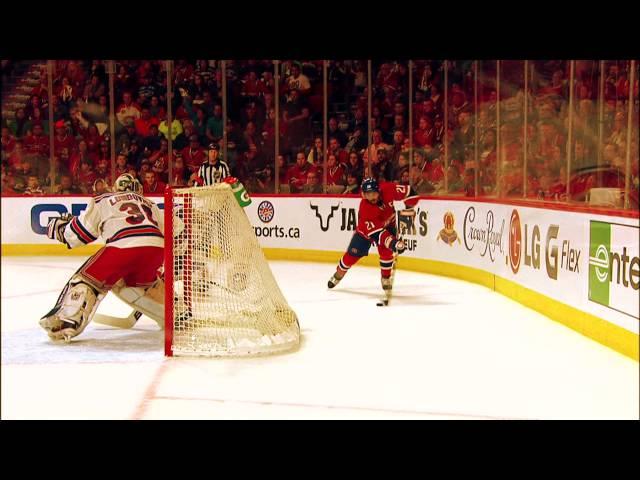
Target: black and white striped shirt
(212, 174)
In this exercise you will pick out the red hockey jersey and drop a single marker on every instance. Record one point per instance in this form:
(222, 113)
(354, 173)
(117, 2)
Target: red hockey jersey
(372, 219)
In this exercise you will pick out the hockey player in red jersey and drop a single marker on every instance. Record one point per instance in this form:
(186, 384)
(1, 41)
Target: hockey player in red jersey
(377, 224)
(132, 228)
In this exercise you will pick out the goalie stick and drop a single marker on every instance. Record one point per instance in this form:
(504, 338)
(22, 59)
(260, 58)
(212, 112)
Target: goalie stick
(131, 320)
(118, 322)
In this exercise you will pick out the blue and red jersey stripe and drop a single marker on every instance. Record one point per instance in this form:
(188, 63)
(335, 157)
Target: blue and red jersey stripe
(103, 196)
(138, 231)
(81, 232)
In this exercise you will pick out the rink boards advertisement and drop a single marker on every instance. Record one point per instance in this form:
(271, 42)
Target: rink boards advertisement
(587, 261)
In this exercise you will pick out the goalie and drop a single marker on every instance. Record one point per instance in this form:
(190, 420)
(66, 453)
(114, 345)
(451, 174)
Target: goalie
(377, 224)
(129, 263)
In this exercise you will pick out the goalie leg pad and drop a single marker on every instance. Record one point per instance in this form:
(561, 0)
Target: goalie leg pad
(149, 301)
(74, 310)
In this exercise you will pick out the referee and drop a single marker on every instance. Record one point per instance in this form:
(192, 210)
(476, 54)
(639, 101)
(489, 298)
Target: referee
(213, 170)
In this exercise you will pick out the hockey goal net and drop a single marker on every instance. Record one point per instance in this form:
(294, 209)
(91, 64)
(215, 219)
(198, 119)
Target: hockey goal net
(221, 298)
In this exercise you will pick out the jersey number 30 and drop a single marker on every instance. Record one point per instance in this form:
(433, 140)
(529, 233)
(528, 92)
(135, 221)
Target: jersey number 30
(135, 215)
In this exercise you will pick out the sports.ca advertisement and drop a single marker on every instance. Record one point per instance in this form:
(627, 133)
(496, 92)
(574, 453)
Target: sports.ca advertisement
(268, 225)
(304, 223)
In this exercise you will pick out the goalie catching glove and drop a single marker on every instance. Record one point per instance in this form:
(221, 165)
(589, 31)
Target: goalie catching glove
(56, 226)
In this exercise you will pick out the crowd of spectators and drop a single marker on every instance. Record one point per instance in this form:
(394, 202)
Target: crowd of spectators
(447, 152)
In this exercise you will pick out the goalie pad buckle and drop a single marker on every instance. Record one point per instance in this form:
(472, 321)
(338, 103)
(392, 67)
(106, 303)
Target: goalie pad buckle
(74, 310)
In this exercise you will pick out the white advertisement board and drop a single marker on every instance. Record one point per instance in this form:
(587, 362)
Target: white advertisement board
(590, 262)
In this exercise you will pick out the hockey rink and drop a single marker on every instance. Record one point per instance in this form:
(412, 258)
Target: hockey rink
(444, 349)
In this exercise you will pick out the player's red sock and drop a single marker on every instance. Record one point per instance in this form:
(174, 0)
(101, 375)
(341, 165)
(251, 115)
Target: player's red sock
(346, 262)
(386, 265)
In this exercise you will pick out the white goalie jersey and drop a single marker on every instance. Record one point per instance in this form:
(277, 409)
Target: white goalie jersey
(122, 219)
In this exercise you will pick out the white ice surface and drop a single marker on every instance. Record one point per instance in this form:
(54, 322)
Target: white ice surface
(444, 349)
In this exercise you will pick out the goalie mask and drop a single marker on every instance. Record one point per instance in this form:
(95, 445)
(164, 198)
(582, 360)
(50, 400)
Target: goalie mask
(128, 183)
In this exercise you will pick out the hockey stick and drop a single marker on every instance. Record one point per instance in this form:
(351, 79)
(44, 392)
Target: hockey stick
(134, 316)
(389, 293)
(118, 322)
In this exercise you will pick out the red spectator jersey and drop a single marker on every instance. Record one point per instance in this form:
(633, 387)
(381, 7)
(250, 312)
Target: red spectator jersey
(35, 144)
(193, 158)
(336, 175)
(8, 144)
(86, 179)
(155, 189)
(67, 142)
(298, 176)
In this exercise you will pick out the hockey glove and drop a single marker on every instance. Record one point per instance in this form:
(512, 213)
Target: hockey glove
(391, 242)
(398, 246)
(55, 227)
